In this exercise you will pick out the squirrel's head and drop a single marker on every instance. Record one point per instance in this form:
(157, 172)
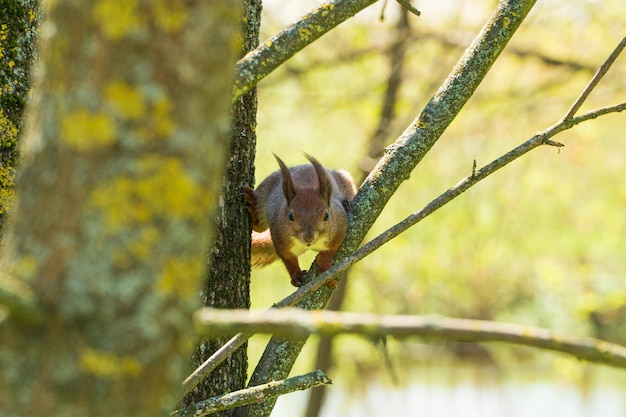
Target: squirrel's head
(308, 215)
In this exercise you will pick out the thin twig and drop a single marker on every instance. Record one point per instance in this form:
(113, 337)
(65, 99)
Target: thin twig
(596, 79)
(407, 5)
(254, 394)
(297, 323)
(382, 11)
(213, 362)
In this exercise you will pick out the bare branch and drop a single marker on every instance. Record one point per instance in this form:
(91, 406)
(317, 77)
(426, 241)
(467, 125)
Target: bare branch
(299, 323)
(260, 62)
(213, 362)
(255, 394)
(596, 79)
(594, 114)
(408, 6)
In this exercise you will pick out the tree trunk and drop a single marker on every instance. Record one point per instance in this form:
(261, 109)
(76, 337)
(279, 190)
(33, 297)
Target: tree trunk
(19, 26)
(228, 276)
(121, 174)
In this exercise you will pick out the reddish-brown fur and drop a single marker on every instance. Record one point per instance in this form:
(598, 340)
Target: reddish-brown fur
(303, 207)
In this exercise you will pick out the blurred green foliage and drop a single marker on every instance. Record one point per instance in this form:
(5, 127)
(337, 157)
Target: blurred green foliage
(541, 242)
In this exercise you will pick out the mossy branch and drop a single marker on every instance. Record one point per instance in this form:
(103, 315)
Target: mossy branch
(256, 394)
(260, 62)
(296, 323)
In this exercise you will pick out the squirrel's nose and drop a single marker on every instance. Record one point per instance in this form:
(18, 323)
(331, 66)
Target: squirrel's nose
(309, 237)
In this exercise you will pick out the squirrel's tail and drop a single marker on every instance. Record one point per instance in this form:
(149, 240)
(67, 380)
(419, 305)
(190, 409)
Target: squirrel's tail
(263, 252)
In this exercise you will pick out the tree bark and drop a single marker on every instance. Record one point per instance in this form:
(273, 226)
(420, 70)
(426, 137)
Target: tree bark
(228, 276)
(19, 28)
(246, 396)
(121, 175)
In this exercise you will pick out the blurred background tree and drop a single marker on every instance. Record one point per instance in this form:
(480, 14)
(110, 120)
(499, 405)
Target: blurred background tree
(123, 160)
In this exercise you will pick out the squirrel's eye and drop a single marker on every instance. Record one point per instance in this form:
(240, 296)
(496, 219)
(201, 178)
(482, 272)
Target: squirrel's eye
(290, 215)
(326, 216)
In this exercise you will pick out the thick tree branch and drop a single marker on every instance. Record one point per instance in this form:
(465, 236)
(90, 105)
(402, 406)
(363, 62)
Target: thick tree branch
(256, 394)
(296, 323)
(260, 62)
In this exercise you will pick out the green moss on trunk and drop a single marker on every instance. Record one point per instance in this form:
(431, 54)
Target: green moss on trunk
(19, 30)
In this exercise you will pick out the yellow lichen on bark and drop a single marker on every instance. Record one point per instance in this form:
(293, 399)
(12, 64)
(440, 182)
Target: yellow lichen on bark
(109, 365)
(159, 124)
(118, 18)
(127, 100)
(159, 191)
(170, 15)
(146, 116)
(178, 277)
(159, 187)
(162, 117)
(87, 131)
(8, 133)
(138, 248)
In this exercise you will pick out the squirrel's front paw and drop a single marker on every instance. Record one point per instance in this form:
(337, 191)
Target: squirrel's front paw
(296, 279)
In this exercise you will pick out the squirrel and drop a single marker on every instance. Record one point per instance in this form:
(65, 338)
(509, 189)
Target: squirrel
(298, 209)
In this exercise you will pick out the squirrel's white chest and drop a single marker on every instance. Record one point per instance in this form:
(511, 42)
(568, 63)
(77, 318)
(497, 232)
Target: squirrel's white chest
(298, 248)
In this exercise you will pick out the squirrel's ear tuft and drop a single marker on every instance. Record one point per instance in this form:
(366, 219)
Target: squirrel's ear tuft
(326, 187)
(288, 189)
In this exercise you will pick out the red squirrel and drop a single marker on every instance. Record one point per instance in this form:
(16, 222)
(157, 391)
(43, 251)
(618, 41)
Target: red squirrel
(298, 209)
